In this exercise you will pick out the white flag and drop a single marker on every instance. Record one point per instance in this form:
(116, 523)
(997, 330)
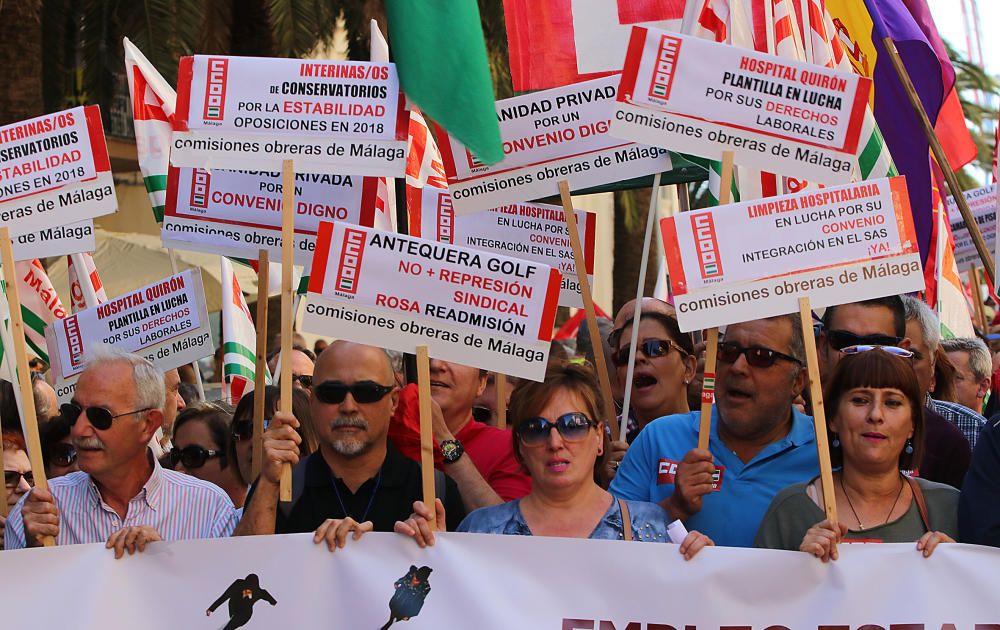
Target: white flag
(85, 287)
(40, 304)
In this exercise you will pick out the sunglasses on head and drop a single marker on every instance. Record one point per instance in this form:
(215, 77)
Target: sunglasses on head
(193, 456)
(61, 454)
(893, 350)
(481, 414)
(652, 348)
(840, 339)
(305, 380)
(11, 478)
(99, 417)
(363, 392)
(757, 356)
(572, 427)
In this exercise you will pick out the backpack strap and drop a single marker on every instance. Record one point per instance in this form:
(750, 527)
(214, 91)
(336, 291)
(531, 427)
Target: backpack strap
(626, 520)
(918, 496)
(298, 487)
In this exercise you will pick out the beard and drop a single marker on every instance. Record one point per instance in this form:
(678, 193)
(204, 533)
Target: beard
(350, 446)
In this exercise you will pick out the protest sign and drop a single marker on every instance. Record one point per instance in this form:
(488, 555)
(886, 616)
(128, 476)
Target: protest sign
(166, 322)
(982, 202)
(722, 588)
(396, 291)
(342, 117)
(55, 241)
(529, 231)
(548, 136)
(755, 259)
(237, 213)
(778, 115)
(54, 170)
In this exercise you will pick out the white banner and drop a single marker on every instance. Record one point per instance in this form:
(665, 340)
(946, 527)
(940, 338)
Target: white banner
(344, 117)
(530, 231)
(396, 291)
(982, 202)
(703, 98)
(60, 240)
(166, 322)
(238, 213)
(549, 136)
(54, 170)
(211, 583)
(755, 259)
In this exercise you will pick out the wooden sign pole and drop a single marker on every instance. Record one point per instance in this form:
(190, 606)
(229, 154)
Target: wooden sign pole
(611, 417)
(287, 294)
(260, 361)
(29, 420)
(426, 433)
(712, 334)
(500, 386)
(977, 298)
(654, 202)
(819, 413)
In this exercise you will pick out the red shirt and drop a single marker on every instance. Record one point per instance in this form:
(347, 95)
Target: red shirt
(490, 449)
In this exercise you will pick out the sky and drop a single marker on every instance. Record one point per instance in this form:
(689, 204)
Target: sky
(948, 17)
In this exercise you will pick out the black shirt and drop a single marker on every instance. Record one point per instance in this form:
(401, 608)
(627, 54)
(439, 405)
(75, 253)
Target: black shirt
(390, 495)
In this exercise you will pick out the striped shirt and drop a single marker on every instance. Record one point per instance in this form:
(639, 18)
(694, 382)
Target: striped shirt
(176, 505)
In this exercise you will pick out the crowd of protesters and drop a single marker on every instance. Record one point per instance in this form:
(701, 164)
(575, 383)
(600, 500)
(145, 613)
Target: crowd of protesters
(913, 434)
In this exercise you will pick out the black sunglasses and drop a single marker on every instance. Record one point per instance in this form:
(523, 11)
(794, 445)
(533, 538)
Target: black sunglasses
(652, 348)
(482, 414)
(61, 454)
(193, 456)
(242, 430)
(840, 339)
(11, 478)
(305, 380)
(572, 427)
(757, 356)
(363, 392)
(99, 417)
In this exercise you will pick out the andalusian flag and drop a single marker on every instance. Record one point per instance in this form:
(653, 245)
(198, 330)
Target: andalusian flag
(441, 58)
(153, 103)
(85, 287)
(7, 371)
(239, 337)
(40, 304)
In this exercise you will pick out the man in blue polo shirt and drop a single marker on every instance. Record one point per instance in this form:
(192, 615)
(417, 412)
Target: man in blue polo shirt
(759, 443)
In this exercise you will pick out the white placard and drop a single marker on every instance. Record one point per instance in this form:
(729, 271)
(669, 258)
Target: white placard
(339, 117)
(982, 202)
(703, 98)
(55, 241)
(549, 136)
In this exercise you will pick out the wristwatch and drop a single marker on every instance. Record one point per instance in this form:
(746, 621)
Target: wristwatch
(452, 451)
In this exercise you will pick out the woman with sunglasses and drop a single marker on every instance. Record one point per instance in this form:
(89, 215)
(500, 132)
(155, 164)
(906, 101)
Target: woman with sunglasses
(241, 429)
(201, 434)
(876, 431)
(17, 475)
(58, 451)
(560, 441)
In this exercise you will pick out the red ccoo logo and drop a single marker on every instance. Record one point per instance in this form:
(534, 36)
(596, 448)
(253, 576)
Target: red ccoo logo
(473, 160)
(201, 185)
(75, 340)
(707, 245)
(666, 63)
(446, 219)
(350, 261)
(215, 89)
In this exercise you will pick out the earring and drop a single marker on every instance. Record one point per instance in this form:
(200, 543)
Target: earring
(908, 449)
(836, 441)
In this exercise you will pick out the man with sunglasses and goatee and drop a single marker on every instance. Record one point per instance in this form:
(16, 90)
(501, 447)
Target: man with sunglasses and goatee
(357, 481)
(759, 442)
(120, 495)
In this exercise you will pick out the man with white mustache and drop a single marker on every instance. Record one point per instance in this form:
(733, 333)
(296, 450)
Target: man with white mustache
(120, 495)
(357, 481)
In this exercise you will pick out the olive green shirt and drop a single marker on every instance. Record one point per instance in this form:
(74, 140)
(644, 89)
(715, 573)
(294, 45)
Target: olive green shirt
(793, 512)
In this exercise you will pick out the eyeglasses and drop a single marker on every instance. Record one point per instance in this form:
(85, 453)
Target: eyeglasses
(840, 339)
(363, 392)
(99, 417)
(242, 430)
(572, 427)
(305, 380)
(893, 350)
(652, 348)
(61, 454)
(193, 456)
(11, 478)
(757, 356)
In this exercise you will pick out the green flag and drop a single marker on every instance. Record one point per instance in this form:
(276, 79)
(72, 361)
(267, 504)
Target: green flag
(441, 57)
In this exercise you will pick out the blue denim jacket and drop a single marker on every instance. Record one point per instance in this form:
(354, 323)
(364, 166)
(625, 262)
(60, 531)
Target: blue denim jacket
(649, 522)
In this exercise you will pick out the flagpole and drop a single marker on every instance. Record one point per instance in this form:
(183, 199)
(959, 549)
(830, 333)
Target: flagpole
(938, 150)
